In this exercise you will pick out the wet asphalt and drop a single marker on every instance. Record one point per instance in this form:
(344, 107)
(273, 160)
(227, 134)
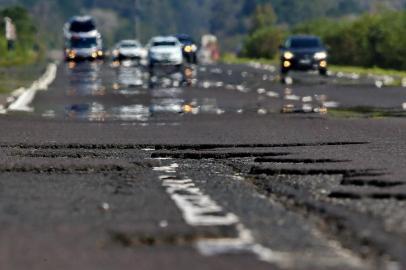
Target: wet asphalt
(226, 168)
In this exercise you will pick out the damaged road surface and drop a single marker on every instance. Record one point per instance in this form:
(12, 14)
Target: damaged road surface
(114, 169)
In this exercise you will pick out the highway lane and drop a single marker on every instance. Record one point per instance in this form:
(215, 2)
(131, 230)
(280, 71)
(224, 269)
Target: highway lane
(92, 90)
(117, 169)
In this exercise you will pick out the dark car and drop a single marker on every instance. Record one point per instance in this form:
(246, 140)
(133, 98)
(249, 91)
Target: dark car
(189, 48)
(304, 53)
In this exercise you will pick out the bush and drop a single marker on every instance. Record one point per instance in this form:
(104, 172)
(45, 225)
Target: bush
(370, 40)
(263, 43)
(265, 37)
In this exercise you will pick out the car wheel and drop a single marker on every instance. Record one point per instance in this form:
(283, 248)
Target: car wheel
(151, 67)
(284, 71)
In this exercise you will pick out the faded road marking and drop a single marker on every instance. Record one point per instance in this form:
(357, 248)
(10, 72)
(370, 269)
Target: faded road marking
(198, 209)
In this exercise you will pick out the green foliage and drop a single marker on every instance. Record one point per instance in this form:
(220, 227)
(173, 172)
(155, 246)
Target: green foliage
(263, 43)
(264, 17)
(27, 47)
(370, 40)
(228, 19)
(265, 37)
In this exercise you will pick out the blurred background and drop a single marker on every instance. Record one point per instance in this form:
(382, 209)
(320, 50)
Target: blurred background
(372, 32)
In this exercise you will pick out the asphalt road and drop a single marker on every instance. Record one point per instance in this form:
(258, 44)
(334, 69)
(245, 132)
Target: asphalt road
(114, 169)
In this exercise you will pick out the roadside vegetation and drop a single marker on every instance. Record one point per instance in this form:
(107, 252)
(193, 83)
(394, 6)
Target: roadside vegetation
(369, 44)
(27, 47)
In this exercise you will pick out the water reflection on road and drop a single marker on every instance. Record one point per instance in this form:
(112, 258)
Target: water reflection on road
(85, 80)
(125, 92)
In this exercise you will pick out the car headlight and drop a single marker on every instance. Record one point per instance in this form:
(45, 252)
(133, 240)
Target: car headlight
(71, 54)
(190, 48)
(320, 55)
(288, 55)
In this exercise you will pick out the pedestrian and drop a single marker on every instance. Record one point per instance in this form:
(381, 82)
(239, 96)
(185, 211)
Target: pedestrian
(11, 33)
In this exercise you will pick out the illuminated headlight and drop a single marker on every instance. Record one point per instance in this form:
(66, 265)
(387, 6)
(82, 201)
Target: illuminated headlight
(71, 54)
(190, 48)
(100, 53)
(288, 55)
(94, 54)
(320, 55)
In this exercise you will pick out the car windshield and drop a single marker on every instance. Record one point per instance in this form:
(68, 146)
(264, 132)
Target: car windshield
(129, 45)
(85, 26)
(304, 43)
(186, 40)
(84, 43)
(163, 43)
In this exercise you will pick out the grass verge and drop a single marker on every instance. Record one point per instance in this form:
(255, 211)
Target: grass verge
(398, 75)
(365, 112)
(230, 58)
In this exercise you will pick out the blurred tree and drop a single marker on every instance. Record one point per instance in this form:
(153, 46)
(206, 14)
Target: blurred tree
(265, 37)
(264, 16)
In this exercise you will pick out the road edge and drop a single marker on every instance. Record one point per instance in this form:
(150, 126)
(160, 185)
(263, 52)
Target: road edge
(21, 98)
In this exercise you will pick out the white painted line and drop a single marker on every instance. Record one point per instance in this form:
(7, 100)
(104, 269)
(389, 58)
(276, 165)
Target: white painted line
(261, 91)
(331, 104)
(307, 99)
(292, 97)
(272, 94)
(199, 209)
(22, 98)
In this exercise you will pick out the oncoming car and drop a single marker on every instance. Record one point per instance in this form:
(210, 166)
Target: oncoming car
(80, 25)
(304, 53)
(83, 49)
(165, 51)
(189, 48)
(129, 50)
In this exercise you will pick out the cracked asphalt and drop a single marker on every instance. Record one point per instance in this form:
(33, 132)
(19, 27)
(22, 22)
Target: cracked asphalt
(114, 169)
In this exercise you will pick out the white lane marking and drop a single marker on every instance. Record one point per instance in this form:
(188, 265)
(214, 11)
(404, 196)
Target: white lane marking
(272, 94)
(307, 99)
(292, 97)
(23, 97)
(261, 91)
(404, 82)
(331, 104)
(199, 209)
(148, 149)
(245, 242)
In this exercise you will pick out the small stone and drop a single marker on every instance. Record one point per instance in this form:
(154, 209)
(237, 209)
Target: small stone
(105, 207)
(163, 224)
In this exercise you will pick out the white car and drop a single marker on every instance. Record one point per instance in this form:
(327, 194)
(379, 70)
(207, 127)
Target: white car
(129, 50)
(165, 51)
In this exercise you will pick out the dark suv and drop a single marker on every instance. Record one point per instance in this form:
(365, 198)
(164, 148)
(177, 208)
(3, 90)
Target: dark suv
(189, 48)
(304, 53)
